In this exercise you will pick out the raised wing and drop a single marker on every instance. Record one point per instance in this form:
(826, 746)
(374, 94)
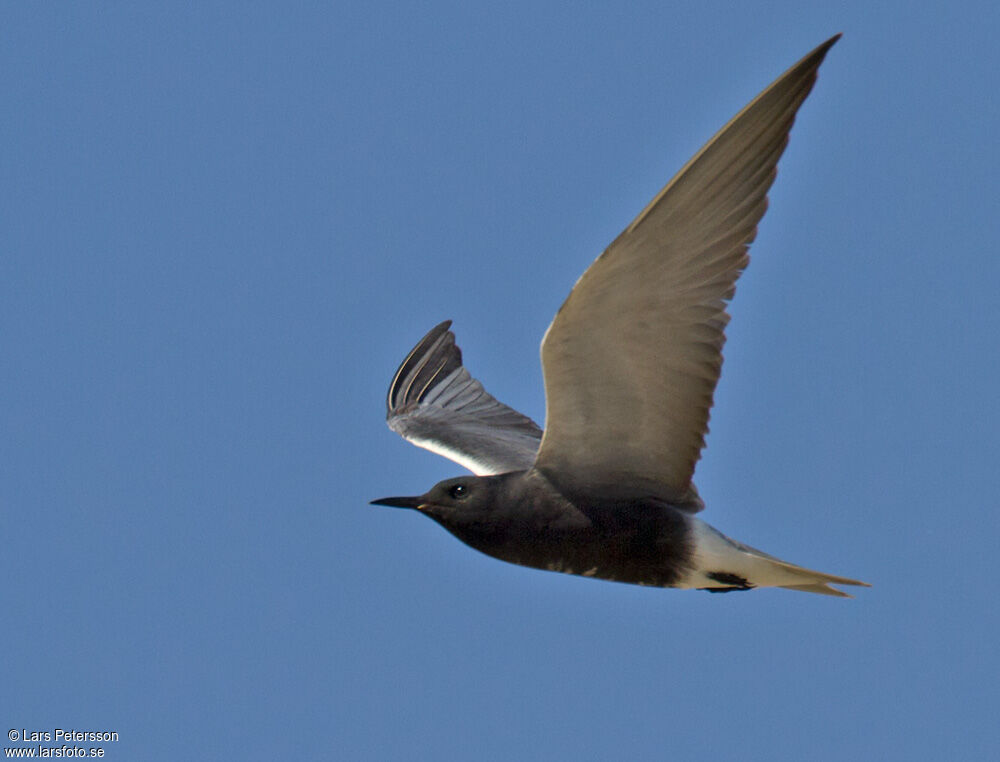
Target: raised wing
(437, 405)
(632, 358)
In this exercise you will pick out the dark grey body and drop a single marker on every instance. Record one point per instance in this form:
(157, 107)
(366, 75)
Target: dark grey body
(523, 519)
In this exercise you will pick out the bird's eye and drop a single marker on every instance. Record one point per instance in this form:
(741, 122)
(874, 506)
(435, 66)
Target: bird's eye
(459, 491)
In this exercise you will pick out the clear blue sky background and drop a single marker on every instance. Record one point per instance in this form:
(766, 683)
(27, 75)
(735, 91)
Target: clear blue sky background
(222, 226)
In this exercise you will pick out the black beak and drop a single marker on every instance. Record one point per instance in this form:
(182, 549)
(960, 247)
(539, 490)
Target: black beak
(398, 502)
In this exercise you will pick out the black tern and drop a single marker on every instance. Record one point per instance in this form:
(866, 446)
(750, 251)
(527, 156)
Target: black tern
(631, 361)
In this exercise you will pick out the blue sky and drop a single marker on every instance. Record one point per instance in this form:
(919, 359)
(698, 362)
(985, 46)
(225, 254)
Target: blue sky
(222, 226)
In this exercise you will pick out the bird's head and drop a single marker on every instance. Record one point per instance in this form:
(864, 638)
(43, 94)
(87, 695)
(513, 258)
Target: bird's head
(463, 500)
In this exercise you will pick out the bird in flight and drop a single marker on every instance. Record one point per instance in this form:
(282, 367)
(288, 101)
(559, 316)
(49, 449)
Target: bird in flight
(630, 361)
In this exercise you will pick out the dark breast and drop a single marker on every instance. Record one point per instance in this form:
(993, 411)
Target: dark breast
(644, 543)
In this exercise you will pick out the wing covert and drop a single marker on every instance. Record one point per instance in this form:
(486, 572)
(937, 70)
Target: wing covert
(435, 403)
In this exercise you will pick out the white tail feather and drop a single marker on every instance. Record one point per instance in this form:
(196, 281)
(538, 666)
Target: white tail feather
(720, 562)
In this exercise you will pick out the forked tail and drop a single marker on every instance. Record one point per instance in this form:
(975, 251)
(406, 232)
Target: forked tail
(722, 564)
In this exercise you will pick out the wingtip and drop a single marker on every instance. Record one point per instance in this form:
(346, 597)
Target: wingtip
(434, 333)
(442, 328)
(415, 356)
(823, 48)
(815, 57)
